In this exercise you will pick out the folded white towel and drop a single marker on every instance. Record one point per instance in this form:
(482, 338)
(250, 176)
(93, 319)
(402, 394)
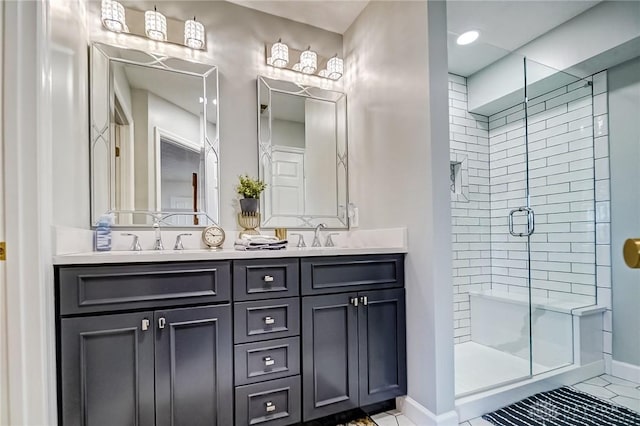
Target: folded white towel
(258, 237)
(253, 247)
(259, 242)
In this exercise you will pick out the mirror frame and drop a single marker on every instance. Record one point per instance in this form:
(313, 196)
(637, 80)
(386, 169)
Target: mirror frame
(102, 131)
(265, 150)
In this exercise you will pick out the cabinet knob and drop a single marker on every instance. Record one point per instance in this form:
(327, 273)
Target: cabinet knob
(268, 279)
(269, 320)
(162, 322)
(364, 300)
(354, 301)
(269, 361)
(270, 406)
(145, 324)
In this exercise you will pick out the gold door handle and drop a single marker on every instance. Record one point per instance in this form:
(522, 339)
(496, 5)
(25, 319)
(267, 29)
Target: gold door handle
(632, 252)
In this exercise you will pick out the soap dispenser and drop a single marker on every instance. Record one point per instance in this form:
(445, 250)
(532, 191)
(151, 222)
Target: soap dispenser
(103, 233)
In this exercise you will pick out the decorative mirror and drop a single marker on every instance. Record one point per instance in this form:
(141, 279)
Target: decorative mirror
(302, 137)
(154, 138)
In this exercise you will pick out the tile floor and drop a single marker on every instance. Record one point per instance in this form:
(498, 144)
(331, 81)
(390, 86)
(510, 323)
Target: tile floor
(609, 388)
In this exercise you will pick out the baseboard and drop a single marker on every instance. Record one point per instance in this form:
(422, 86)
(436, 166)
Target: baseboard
(421, 416)
(625, 371)
(473, 406)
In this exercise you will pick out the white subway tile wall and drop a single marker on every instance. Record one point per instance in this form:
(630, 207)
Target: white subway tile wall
(470, 215)
(569, 190)
(562, 191)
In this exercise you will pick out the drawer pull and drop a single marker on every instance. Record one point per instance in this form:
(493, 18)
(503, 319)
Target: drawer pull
(268, 279)
(270, 406)
(269, 320)
(269, 361)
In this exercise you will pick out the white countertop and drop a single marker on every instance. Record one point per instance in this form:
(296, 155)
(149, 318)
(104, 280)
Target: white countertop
(204, 254)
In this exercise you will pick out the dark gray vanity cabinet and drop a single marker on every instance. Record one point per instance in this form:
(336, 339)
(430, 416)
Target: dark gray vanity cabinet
(267, 337)
(382, 345)
(353, 343)
(107, 371)
(256, 342)
(165, 366)
(329, 354)
(194, 366)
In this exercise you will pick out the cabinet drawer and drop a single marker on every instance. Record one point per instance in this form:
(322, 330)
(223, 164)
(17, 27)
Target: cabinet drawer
(273, 359)
(272, 403)
(264, 279)
(322, 275)
(112, 288)
(266, 319)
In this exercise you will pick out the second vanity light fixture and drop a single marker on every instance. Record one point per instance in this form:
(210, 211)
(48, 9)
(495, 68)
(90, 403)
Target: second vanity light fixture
(155, 25)
(277, 55)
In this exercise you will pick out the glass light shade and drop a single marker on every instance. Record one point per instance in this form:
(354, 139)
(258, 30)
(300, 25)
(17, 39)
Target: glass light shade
(155, 25)
(308, 61)
(194, 34)
(335, 68)
(113, 17)
(279, 55)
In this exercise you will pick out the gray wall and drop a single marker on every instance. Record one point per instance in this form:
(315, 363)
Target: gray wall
(624, 134)
(396, 80)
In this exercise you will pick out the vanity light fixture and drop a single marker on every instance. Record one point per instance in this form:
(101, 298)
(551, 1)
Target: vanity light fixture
(467, 37)
(155, 25)
(308, 61)
(113, 16)
(279, 55)
(194, 34)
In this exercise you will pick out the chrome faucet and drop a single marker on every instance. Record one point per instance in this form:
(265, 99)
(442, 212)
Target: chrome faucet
(178, 245)
(135, 243)
(316, 235)
(156, 227)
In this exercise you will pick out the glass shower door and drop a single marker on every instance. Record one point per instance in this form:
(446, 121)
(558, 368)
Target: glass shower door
(560, 156)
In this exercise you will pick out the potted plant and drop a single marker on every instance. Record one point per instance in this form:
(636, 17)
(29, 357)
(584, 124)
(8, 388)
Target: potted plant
(250, 189)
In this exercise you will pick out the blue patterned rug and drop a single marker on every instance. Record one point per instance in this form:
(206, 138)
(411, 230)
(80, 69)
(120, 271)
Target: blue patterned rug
(564, 406)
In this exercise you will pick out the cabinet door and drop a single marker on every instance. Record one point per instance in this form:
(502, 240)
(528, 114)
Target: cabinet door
(106, 370)
(194, 367)
(329, 355)
(382, 348)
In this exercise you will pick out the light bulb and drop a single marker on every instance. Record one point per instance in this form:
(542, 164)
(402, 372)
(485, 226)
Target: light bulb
(468, 37)
(113, 16)
(155, 25)
(279, 54)
(308, 61)
(194, 34)
(335, 68)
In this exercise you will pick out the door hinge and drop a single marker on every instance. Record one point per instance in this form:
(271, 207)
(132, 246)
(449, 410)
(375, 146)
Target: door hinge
(3, 251)
(117, 151)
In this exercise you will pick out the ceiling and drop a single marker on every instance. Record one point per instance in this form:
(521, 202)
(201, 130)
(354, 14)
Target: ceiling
(333, 15)
(504, 26)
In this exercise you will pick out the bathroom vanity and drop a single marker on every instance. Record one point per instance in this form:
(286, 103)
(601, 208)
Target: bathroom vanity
(240, 338)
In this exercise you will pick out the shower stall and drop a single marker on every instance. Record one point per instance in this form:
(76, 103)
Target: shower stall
(524, 191)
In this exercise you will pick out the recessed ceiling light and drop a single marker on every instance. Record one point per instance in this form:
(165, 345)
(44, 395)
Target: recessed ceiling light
(467, 38)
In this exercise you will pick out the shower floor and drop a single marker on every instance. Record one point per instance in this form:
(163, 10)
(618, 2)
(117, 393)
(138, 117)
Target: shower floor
(480, 367)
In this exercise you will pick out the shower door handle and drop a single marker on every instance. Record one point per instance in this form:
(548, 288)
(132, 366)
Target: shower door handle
(531, 223)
